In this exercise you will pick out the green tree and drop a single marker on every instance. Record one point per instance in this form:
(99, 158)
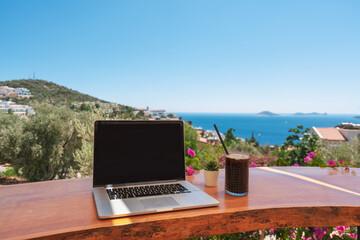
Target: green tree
(253, 140)
(84, 125)
(244, 147)
(347, 151)
(85, 107)
(140, 115)
(297, 146)
(48, 143)
(10, 134)
(191, 137)
(229, 137)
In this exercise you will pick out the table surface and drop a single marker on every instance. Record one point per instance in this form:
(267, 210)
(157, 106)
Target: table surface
(278, 197)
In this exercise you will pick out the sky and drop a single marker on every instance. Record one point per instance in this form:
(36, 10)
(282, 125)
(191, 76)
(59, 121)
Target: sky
(190, 56)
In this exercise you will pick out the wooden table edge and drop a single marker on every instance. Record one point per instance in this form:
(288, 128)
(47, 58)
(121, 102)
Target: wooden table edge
(215, 224)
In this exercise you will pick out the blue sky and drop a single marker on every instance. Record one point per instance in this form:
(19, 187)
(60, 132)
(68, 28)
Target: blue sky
(191, 56)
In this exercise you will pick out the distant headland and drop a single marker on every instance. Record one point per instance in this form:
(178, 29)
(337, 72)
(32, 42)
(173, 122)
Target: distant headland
(271, 114)
(310, 114)
(266, 114)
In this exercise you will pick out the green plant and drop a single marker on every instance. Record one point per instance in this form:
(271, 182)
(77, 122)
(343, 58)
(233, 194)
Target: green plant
(191, 137)
(8, 173)
(211, 166)
(297, 146)
(47, 144)
(348, 152)
(248, 147)
(229, 137)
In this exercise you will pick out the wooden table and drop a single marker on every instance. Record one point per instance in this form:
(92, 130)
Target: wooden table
(278, 198)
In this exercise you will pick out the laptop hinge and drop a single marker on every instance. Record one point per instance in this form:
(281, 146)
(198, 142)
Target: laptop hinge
(139, 183)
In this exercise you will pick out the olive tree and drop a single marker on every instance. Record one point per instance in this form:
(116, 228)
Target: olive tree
(48, 143)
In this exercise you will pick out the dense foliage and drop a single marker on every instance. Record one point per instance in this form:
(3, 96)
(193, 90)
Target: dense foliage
(44, 91)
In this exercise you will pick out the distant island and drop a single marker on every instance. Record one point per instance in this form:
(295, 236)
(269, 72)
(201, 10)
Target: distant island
(357, 117)
(310, 114)
(266, 114)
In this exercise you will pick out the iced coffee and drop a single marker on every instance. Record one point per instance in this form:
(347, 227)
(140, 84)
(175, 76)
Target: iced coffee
(237, 174)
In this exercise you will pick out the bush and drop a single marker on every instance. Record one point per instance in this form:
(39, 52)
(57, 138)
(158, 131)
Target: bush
(349, 152)
(48, 142)
(247, 147)
(296, 147)
(10, 134)
(191, 137)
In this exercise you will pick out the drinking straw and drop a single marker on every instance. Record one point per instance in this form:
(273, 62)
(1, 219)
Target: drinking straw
(227, 153)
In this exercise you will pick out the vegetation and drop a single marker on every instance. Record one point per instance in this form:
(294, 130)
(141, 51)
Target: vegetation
(57, 143)
(229, 137)
(342, 152)
(10, 134)
(47, 144)
(211, 166)
(296, 147)
(44, 91)
(247, 147)
(190, 137)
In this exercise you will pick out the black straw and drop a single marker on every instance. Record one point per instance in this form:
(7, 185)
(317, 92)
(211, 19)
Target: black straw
(227, 153)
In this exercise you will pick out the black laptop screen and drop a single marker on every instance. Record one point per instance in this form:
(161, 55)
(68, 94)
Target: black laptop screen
(138, 151)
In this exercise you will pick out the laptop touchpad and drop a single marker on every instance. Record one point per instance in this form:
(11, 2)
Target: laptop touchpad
(162, 202)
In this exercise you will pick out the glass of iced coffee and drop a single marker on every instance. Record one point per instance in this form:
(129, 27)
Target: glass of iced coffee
(237, 174)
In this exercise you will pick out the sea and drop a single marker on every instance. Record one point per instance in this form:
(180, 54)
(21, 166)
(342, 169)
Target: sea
(267, 129)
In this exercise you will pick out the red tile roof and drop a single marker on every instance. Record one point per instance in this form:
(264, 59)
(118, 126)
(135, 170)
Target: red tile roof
(140, 109)
(330, 134)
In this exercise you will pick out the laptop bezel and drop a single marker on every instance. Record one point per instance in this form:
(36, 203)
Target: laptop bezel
(183, 178)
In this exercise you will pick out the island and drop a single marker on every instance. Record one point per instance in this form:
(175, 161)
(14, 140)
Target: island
(310, 114)
(266, 114)
(357, 117)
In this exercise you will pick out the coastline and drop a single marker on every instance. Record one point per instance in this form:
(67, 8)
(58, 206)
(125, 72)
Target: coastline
(267, 130)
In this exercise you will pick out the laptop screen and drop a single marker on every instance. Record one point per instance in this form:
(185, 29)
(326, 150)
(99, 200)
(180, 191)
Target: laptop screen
(138, 151)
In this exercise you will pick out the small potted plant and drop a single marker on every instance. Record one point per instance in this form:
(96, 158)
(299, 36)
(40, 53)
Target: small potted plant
(211, 173)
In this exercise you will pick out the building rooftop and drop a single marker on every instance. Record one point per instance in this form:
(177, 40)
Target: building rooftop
(330, 134)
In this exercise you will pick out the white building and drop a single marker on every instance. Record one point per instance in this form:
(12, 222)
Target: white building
(22, 92)
(19, 110)
(6, 91)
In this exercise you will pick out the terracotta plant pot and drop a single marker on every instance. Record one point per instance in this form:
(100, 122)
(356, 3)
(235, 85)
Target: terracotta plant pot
(211, 178)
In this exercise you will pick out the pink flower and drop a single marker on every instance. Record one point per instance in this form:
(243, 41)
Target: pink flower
(272, 230)
(253, 164)
(353, 235)
(295, 165)
(191, 152)
(341, 161)
(190, 170)
(311, 154)
(319, 232)
(332, 163)
(307, 159)
(341, 229)
(347, 169)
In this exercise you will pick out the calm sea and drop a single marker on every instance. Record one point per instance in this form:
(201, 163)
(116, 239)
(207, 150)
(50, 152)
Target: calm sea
(267, 130)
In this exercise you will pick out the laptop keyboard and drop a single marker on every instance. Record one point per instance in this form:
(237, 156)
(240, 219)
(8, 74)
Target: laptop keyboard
(143, 191)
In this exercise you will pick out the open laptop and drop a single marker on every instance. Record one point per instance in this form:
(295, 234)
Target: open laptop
(139, 168)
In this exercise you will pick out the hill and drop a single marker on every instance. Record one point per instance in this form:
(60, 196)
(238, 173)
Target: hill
(310, 114)
(44, 91)
(266, 114)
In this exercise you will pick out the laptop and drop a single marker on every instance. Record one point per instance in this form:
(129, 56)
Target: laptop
(139, 168)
